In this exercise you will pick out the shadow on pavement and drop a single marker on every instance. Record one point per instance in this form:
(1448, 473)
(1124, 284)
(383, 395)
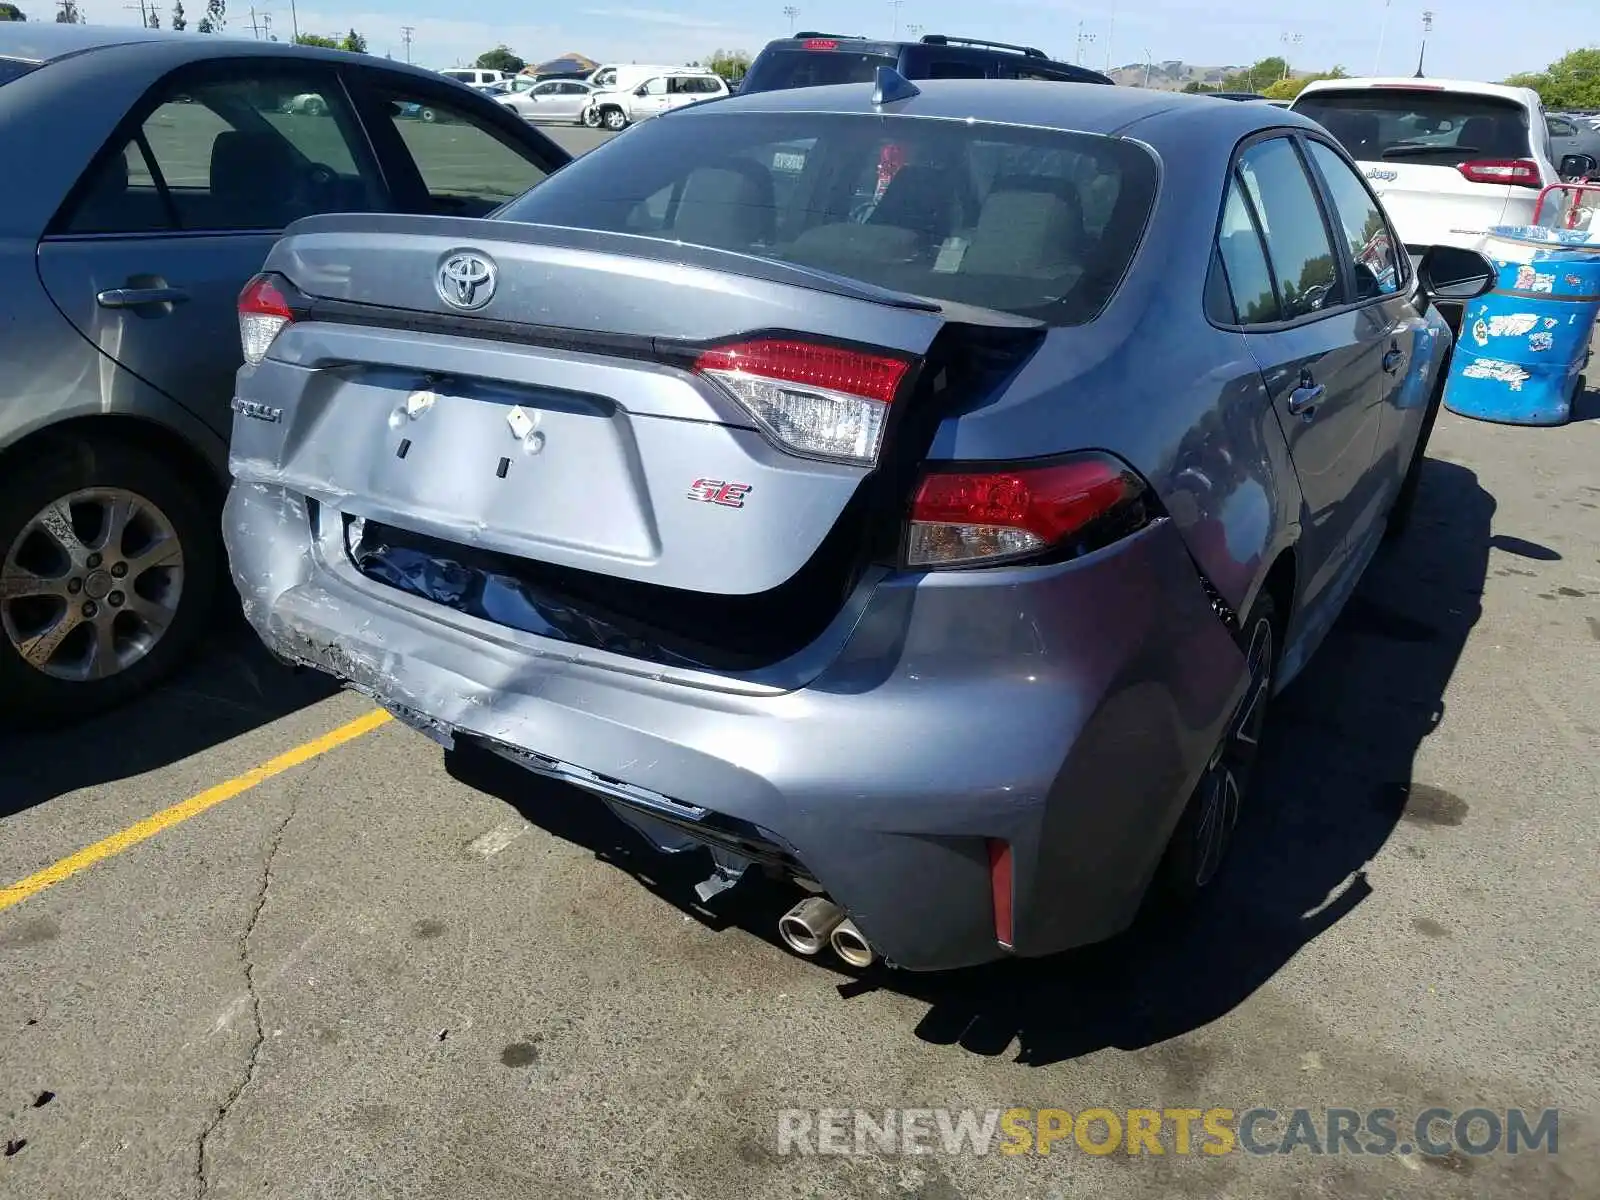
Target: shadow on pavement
(1336, 779)
(232, 687)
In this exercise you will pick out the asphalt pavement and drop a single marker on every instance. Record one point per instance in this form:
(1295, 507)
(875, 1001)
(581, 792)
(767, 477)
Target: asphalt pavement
(385, 972)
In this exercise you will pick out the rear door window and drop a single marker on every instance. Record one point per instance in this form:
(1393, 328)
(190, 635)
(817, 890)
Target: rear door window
(1028, 221)
(1254, 299)
(1298, 246)
(1429, 128)
(1379, 270)
(240, 154)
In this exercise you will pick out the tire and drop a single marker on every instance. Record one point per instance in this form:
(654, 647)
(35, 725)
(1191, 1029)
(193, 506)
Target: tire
(1199, 845)
(614, 119)
(590, 118)
(316, 107)
(1405, 500)
(155, 614)
(428, 115)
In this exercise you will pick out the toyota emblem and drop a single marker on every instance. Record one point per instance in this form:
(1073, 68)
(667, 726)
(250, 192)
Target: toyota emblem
(466, 280)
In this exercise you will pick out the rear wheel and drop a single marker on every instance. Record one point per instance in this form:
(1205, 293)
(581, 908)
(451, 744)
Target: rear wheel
(590, 117)
(108, 570)
(316, 107)
(1205, 832)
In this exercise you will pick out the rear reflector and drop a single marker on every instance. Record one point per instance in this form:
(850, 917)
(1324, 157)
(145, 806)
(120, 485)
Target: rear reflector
(968, 516)
(263, 312)
(816, 400)
(1001, 890)
(1520, 172)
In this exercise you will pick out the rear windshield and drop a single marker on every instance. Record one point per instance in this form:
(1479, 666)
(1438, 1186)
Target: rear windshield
(1442, 129)
(1032, 222)
(11, 68)
(778, 68)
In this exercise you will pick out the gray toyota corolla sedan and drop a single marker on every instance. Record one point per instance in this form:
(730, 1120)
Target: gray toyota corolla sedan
(919, 491)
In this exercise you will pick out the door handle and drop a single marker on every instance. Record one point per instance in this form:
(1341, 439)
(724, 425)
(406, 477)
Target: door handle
(1303, 400)
(1394, 360)
(137, 297)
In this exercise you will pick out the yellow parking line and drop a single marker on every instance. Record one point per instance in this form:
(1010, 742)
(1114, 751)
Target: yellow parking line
(184, 809)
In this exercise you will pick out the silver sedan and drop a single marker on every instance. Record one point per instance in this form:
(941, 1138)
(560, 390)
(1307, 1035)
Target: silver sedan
(552, 100)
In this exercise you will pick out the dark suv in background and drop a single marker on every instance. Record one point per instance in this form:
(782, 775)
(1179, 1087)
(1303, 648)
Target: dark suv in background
(815, 59)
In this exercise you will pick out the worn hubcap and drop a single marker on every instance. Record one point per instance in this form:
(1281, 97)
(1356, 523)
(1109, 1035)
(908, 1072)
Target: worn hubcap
(1222, 789)
(91, 584)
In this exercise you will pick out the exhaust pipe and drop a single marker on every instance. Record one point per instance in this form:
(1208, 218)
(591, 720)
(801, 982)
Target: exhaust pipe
(849, 945)
(806, 926)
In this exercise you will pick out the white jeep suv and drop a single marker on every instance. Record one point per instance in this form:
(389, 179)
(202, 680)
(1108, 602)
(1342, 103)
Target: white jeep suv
(1448, 159)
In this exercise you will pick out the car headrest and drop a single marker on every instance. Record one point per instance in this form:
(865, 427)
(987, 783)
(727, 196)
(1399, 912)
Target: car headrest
(1026, 232)
(255, 171)
(730, 204)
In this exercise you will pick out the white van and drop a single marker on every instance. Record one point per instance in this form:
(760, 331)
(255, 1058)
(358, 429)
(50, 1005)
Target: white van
(474, 76)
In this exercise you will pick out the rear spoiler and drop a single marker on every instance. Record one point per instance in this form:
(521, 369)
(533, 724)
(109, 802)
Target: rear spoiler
(472, 229)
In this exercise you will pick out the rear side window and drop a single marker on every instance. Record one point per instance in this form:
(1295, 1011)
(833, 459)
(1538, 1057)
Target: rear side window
(1034, 222)
(777, 69)
(11, 69)
(1425, 127)
(1254, 300)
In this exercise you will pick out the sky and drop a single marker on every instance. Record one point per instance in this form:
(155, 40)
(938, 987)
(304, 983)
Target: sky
(1468, 40)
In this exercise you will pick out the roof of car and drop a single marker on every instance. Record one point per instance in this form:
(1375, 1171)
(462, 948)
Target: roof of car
(46, 42)
(1425, 84)
(1086, 107)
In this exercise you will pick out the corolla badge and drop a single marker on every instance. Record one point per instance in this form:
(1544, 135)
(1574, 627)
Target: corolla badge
(466, 280)
(1383, 176)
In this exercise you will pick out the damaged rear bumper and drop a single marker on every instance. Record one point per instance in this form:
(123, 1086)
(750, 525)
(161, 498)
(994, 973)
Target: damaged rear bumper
(1064, 710)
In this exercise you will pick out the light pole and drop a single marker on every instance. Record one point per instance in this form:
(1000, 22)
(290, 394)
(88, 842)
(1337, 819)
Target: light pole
(405, 36)
(1111, 33)
(895, 4)
(1427, 28)
(1383, 32)
(791, 12)
(1149, 65)
(1289, 39)
(914, 30)
(1084, 39)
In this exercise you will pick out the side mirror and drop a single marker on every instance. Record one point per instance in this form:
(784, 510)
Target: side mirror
(1577, 166)
(1451, 273)
(643, 90)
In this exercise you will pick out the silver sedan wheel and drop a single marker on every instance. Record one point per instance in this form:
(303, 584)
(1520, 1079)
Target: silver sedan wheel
(91, 584)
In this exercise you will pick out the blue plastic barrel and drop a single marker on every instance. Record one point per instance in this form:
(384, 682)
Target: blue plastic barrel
(1522, 349)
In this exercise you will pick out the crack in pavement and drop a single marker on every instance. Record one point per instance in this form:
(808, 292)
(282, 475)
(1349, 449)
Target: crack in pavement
(258, 1037)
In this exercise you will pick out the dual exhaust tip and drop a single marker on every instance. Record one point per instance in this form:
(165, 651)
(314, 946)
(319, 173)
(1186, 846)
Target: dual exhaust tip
(816, 922)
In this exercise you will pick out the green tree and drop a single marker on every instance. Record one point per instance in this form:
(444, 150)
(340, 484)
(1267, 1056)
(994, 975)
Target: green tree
(354, 43)
(216, 17)
(500, 58)
(10, 12)
(1572, 81)
(316, 39)
(1288, 89)
(1253, 79)
(1194, 87)
(179, 21)
(68, 14)
(730, 64)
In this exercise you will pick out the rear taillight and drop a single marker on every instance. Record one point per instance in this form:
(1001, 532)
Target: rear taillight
(1520, 172)
(263, 312)
(821, 401)
(820, 44)
(976, 516)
